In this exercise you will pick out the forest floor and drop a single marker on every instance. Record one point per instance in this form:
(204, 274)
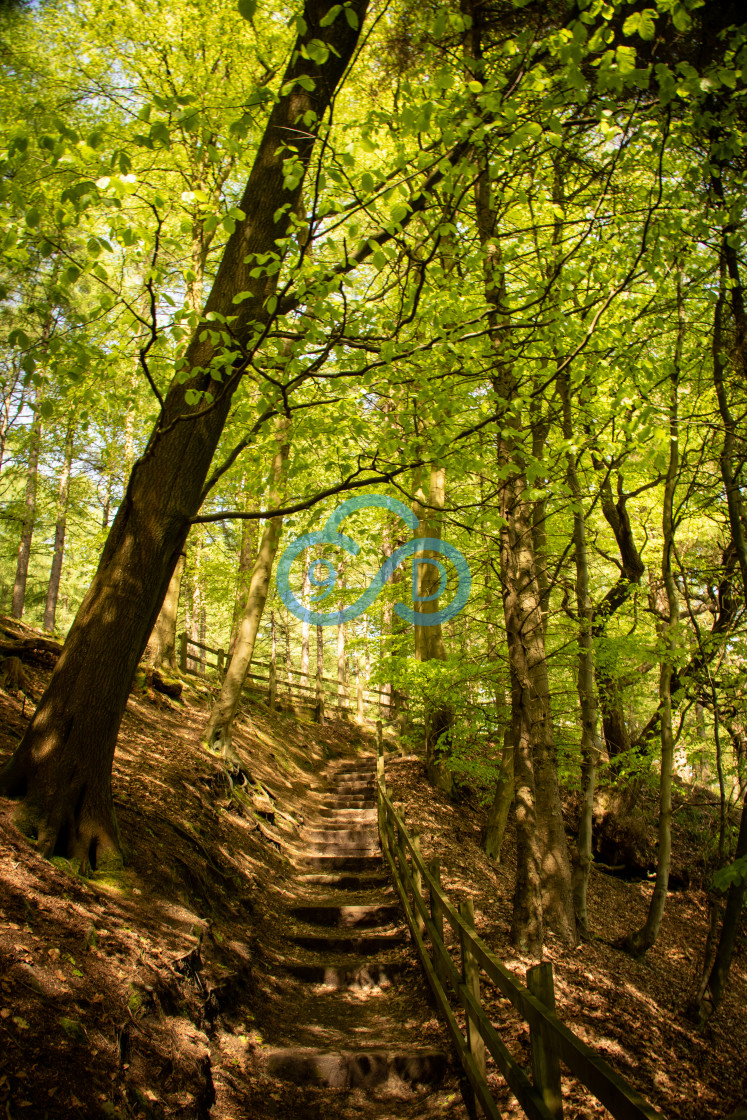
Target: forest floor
(152, 995)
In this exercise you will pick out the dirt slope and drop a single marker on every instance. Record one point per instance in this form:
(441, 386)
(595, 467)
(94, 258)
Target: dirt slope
(153, 996)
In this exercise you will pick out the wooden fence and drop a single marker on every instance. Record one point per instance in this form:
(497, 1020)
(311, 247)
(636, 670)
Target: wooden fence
(551, 1041)
(314, 690)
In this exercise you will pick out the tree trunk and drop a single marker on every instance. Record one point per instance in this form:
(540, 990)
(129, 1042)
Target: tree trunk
(7, 402)
(642, 939)
(429, 641)
(29, 514)
(162, 642)
(730, 928)
(247, 556)
(62, 767)
(590, 744)
(616, 736)
(543, 882)
(305, 632)
(288, 659)
(342, 697)
(719, 973)
(219, 726)
(502, 800)
(319, 674)
(60, 529)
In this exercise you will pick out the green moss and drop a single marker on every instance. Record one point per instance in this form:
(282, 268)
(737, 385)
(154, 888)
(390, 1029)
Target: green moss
(74, 1030)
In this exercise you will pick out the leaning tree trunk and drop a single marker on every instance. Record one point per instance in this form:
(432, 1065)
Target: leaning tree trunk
(220, 724)
(161, 648)
(29, 515)
(62, 767)
(247, 556)
(60, 529)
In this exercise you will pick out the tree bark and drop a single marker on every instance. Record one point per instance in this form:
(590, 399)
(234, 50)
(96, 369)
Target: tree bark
(730, 928)
(219, 726)
(590, 743)
(305, 633)
(503, 797)
(60, 529)
(29, 513)
(543, 883)
(616, 514)
(62, 767)
(719, 974)
(342, 696)
(162, 642)
(642, 939)
(247, 556)
(429, 641)
(319, 674)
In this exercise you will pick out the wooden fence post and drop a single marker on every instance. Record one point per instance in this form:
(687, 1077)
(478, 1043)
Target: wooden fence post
(437, 914)
(221, 665)
(417, 886)
(471, 976)
(545, 1062)
(404, 871)
(183, 651)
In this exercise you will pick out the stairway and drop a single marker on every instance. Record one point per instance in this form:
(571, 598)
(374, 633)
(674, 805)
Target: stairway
(354, 1018)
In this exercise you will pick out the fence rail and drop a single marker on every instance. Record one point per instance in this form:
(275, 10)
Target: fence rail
(551, 1041)
(319, 691)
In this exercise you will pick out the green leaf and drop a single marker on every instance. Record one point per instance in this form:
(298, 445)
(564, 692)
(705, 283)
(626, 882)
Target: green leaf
(247, 9)
(352, 18)
(331, 16)
(47, 409)
(681, 18)
(734, 874)
(159, 131)
(641, 23)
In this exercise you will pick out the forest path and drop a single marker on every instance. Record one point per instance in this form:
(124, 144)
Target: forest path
(352, 1013)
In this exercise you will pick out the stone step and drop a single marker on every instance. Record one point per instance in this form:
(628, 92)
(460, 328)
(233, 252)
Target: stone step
(342, 882)
(342, 916)
(335, 800)
(363, 943)
(362, 836)
(352, 787)
(346, 975)
(357, 1069)
(362, 764)
(338, 862)
(343, 814)
(342, 849)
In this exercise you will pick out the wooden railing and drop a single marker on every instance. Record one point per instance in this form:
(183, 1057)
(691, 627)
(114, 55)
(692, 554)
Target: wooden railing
(310, 690)
(551, 1041)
